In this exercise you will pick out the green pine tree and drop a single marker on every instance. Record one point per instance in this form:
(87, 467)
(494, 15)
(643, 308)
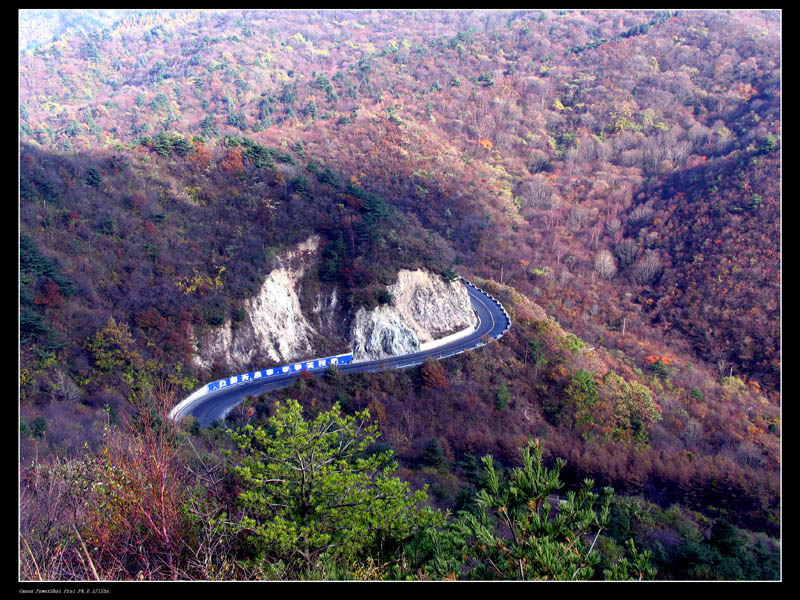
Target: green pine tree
(316, 503)
(518, 530)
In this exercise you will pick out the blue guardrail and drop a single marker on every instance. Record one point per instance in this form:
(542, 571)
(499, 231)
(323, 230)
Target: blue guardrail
(310, 365)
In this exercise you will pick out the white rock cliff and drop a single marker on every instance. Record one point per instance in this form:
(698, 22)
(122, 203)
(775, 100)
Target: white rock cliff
(274, 327)
(424, 308)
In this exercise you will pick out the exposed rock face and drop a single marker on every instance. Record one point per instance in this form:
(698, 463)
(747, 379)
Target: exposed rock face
(274, 327)
(424, 308)
(381, 333)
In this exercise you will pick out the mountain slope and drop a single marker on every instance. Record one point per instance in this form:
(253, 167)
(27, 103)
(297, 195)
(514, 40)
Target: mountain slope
(617, 170)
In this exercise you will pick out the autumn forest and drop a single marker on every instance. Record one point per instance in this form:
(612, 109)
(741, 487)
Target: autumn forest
(612, 176)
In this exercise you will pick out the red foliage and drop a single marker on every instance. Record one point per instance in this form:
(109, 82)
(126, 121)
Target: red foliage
(138, 201)
(49, 296)
(135, 522)
(151, 319)
(150, 230)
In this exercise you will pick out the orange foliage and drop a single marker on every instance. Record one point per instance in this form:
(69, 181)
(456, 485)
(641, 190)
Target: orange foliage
(652, 359)
(744, 91)
(233, 162)
(433, 375)
(201, 157)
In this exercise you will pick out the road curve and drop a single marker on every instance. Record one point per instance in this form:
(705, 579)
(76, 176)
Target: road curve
(493, 322)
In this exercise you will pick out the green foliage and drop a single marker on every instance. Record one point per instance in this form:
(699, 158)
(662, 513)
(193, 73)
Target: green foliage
(725, 555)
(660, 369)
(768, 144)
(637, 565)
(754, 202)
(328, 177)
(208, 126)
(181, 145)
(612, 407)
(165, 144)
(573, 343)
(299, 184)
(261, 156)
(632, 409)
(289, 94)
(375, 213)
(34, 263)
(332, 375)
(450, 275)
(238, 120)
(516, 533)
(384, 297)
(310, 109)
(37, 272)
(35, 429)
(313, 497)
(486, 79)
(503, 396)
(538, 356)
(159, 102)
(112, 347)
(93, 177)
(433, 455)
(215, 319)
(581, 394)
(680, 550)
(332, 259)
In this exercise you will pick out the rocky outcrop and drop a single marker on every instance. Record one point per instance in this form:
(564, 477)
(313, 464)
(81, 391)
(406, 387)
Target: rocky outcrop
(274, 327)
(424, 308)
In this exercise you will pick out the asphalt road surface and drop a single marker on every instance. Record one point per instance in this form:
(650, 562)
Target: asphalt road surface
(493, 323)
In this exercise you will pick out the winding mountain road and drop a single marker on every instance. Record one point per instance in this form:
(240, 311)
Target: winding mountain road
(493, 322)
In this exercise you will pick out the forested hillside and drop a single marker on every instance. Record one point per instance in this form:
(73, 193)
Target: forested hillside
(613, 176)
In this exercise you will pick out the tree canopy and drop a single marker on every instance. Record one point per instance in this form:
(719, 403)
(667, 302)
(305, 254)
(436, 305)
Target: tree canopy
(519, 529)
(315, 497)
